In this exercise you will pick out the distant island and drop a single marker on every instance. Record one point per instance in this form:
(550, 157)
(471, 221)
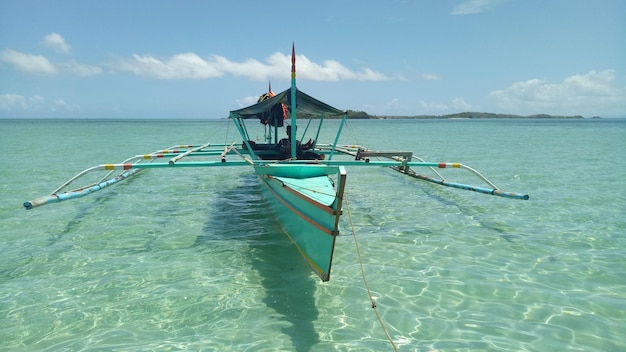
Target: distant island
(462, 115)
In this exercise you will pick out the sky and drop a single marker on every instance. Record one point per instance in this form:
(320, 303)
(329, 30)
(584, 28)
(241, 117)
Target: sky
(200, 59)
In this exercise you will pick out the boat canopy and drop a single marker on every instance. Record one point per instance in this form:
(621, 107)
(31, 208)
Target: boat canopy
(304, 102)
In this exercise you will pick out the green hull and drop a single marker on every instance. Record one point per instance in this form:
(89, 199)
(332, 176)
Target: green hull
(308, 210)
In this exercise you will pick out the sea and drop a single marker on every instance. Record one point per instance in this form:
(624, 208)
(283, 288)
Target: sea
(192, 259)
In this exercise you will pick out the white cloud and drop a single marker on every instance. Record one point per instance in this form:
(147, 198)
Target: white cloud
(16, 102)
(181, 66)
(456, 104)
(429, 76)
(460, 104)
(191, 66)
(36, 64)
(79, 69)
(471, 7)
(433, 107)
(9, 102)
(247, 101)
(394, 105)
(579, 94)
(250, 68)
(56, 41)
(331, 70)
(61, 105)
(35, 103)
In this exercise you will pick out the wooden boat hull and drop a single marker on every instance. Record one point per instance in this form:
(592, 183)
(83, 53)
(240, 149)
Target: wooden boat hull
(308, 209)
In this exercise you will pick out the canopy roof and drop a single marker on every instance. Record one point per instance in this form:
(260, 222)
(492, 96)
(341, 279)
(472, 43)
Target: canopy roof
(304, 102)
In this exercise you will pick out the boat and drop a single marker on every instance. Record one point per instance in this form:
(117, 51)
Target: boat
(304, 182)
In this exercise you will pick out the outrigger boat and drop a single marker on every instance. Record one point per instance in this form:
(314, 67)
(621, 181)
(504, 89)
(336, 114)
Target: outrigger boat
(304, 182)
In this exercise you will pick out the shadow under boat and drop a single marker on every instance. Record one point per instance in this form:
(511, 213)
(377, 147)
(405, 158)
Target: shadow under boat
(241, 213)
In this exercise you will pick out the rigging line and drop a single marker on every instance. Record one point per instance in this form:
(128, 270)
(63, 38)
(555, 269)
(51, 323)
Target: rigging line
(226, 135)
(354, 134)
(369, 292)
(219, 128)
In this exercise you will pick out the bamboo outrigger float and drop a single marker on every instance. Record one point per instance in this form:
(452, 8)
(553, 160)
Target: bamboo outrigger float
(304, 182)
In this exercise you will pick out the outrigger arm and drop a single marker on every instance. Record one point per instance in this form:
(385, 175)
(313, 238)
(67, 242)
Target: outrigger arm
(399, 161)
(405, 163)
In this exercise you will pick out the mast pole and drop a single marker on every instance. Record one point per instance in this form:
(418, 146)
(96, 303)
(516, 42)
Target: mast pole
(293, 101)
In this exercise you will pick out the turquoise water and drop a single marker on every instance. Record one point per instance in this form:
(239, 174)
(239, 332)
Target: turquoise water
(189, 259)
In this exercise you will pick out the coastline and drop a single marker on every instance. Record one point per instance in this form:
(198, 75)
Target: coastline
(354, 115)
(465, 115)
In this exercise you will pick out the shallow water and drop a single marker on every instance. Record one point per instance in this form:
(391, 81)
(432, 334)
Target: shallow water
(191, 259)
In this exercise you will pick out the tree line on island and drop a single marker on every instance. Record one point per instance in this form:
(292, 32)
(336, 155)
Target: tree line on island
(352, 114)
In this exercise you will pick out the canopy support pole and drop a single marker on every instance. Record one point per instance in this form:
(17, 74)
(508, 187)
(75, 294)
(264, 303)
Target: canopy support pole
(343, 121)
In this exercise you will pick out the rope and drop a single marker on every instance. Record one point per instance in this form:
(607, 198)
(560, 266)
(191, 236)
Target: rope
(369, 292)
(355, 136)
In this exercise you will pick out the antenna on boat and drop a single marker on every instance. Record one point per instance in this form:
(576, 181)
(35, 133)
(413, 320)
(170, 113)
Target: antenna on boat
(293, 101)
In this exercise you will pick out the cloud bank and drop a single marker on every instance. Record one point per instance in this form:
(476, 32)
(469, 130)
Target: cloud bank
(185, 66)
(472, 7)
(35, 103)
(192, 66)
(580, 93)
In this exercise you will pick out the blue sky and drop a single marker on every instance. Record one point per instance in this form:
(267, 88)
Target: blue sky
(201, 59)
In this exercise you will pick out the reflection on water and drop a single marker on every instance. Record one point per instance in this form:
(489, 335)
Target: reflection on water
(243, 215)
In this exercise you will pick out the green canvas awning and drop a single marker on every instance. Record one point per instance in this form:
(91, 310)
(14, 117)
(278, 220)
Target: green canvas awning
(304, 102)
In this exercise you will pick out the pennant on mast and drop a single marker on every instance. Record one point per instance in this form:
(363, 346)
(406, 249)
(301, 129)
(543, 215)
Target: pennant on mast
(293, 61)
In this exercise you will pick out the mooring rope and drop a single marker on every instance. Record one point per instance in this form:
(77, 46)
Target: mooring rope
(369, 292)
